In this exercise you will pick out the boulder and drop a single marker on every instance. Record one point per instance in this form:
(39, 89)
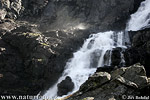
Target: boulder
(115, 84)
(65, 86)
(95, 81)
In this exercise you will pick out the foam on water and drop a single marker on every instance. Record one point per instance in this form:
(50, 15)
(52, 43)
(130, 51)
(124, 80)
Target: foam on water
(141, 18)
(90, 56)
(97, 48)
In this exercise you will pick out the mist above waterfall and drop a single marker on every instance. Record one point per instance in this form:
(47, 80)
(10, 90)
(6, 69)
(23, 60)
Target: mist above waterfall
(65, 22)
(96, 50)
(54, 47)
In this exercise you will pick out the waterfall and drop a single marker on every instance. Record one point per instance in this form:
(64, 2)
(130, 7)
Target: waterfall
(140, 19)
(96, 50)
(90, 56)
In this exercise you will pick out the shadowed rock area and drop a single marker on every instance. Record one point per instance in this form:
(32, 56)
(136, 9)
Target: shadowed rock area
(140, 49)
(37, 37)
(115, 84)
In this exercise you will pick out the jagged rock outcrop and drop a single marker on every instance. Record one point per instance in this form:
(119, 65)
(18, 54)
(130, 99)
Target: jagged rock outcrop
(33, 61)
(140, 49)
(13, 8)
(115, 84)
(33, 56)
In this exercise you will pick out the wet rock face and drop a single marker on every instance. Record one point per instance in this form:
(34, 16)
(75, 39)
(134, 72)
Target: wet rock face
(107, 57)
(32, 61)
(116, 57)
(114, 12)
(65, 86)
(140, 50)
(33, 58)
(94, 58)
(113, 84)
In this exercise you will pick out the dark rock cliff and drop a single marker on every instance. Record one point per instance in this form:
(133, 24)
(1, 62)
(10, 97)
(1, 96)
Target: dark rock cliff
(140, 49)
(99, 14)
(35, 61)
(37, 37)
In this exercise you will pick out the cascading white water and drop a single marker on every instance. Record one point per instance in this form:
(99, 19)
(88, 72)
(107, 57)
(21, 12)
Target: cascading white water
(91, 56)
(140, 19)
(94, 49)
(86, 60)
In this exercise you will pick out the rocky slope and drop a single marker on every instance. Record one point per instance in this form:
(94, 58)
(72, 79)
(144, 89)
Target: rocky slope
(33, 60)
(112, 83)
(140, 49)
(37, 37)
(115, 84)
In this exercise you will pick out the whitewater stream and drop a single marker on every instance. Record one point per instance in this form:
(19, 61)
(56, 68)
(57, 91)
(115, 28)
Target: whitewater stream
(96, 50)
